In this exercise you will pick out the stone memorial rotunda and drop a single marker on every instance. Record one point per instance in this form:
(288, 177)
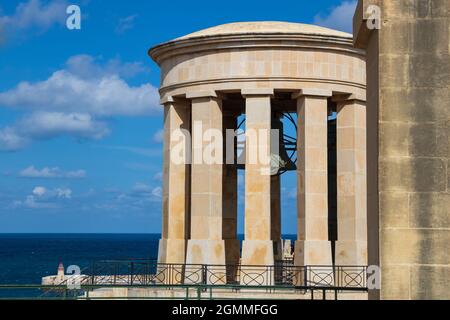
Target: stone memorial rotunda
(263, 72)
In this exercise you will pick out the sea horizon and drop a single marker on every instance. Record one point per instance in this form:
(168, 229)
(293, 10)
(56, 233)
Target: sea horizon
(27, 257)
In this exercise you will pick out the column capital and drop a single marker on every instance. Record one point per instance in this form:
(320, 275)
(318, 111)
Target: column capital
(257, 92)
(166, 99)
(201, 94)
(349, 98)
(312, 93)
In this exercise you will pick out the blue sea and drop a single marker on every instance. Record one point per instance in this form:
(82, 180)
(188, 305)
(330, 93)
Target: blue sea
(26, 258)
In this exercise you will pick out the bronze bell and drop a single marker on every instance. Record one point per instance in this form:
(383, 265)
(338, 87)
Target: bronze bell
(280, 162)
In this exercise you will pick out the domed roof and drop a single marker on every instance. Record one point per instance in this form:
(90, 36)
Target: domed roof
(265, 27)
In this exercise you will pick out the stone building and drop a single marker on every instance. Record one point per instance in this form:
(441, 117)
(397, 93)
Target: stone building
(262, 70)
(408, 129)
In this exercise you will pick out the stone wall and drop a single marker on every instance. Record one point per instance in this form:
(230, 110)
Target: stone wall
(408, 125)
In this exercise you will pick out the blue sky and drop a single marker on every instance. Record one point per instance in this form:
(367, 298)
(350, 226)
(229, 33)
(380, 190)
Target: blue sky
(80, 143)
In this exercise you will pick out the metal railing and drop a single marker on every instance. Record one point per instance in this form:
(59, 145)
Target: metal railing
(283, 277)
(149, 272)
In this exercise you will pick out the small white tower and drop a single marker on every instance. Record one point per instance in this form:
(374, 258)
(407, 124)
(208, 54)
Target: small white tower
(60, 276)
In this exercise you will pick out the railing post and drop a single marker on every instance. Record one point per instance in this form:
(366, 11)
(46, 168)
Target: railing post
(204, 274)
(116, 271)
(93, 273)
(306, 277)
(132, 273)
(336, 274)
(183, 273)
(365, 276)
(269, 279)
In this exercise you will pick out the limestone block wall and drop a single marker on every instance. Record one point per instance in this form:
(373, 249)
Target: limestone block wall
(408, 94)
(244, 63)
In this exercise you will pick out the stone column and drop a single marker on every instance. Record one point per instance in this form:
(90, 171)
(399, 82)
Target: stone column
(351, 247)
(312, 246)
(172, 246)
(175, 210)
(206, 245)
(257, 248)
(275, 214)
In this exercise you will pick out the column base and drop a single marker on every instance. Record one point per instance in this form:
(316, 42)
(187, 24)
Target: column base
(257, 253)
(205, 262)
(257, 263)
(316, 259)
(171, 251)
(204, 251)
(313, 252)
(351, 253)
(171, 255)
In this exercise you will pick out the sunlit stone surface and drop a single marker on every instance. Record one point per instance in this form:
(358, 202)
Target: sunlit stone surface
(257, 69)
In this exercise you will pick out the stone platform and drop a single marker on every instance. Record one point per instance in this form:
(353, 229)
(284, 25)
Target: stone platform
(226, 293)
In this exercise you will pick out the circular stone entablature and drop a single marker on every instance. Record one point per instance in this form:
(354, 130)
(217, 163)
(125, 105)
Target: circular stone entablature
(248, 55)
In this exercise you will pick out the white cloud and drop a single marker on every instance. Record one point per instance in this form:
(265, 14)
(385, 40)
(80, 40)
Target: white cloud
(47, 125)
(10, 140)
(140, 197)
(65, 193)
(339, 18)
(158, 136)
(64, 91)
(32, 172)
(125, 24)
(42, 192)
(158, 176)
(35, 14)
(42, 198)
(76, 101)
(39, 191)
(52, 124)
(32, 203)
(88, 67)
(144, 191)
